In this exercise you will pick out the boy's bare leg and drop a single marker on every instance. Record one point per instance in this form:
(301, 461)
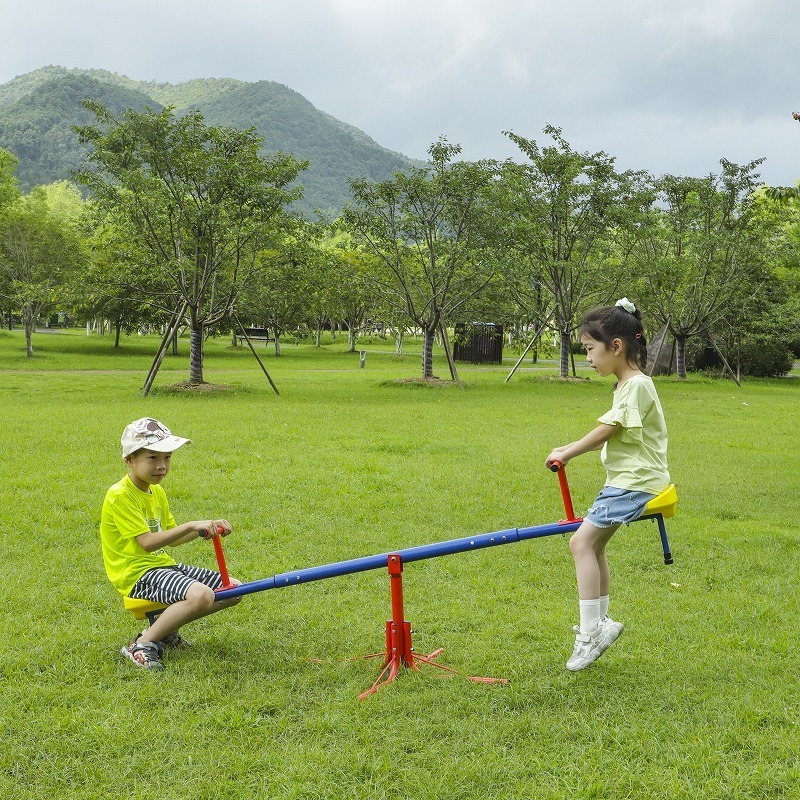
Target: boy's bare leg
(200, 601)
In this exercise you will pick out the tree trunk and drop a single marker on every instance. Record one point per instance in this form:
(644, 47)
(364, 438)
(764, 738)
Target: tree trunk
(276, 335)
(659, 353)
(680, 342)
(566, 341)
(196, 353)
(29, 321)
(28, 341)
(399, 338)
(427, 351)
(351, 338)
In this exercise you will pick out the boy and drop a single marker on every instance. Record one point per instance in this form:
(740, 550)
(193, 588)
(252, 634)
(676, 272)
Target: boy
(135, 527)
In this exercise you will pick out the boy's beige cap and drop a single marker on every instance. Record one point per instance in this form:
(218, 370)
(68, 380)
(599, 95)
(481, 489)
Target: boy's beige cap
(152, 434)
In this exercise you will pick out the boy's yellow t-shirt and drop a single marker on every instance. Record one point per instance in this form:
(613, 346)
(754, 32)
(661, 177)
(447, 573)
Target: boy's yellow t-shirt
(129, 512)
(635, 458)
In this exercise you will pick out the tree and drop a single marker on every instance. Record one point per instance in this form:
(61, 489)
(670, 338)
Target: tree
(9, 193)
(317, 268)
(428, 227)
(200, 201)
(117, 285)
(562, 211)
(352, 298)
(39, 250)
(785, 194)
(759, 336)
(274, 296)
(700, 253)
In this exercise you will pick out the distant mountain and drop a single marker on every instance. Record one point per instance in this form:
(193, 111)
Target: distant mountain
(38, 110)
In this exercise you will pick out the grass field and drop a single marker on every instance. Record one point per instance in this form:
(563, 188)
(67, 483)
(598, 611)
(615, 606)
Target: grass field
(699, 698)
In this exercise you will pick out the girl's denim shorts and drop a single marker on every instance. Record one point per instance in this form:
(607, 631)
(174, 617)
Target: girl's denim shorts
(617, 506)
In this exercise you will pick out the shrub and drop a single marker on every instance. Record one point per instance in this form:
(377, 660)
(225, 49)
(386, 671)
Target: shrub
(766, 357)
(759, 356)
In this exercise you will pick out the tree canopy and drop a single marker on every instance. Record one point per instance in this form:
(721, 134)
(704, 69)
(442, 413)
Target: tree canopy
(198, 200)
(428, 229)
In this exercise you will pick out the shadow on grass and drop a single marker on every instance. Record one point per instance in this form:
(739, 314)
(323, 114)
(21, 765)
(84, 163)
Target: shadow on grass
(204, 388)
(419, 383)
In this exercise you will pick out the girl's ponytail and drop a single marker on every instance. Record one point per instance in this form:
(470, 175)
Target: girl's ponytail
(620, 321)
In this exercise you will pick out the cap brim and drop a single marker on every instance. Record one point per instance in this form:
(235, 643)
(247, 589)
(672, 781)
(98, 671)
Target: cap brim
(167, 445)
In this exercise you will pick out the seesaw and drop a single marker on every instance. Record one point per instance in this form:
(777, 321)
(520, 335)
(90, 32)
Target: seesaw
(399, 652)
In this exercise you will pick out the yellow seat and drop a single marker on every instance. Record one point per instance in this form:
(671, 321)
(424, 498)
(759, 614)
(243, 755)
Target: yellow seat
(141, 608)
(664, 504)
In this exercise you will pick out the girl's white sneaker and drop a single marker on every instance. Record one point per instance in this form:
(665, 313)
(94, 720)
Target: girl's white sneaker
(586, 651)
(608, 632)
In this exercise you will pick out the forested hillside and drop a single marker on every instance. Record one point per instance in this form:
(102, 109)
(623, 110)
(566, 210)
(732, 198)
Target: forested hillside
(38, 110)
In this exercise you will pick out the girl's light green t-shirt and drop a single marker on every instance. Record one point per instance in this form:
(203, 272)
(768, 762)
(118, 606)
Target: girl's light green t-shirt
(635, 458)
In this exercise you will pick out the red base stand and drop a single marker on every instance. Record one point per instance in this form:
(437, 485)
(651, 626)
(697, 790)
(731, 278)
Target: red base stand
(399, 651)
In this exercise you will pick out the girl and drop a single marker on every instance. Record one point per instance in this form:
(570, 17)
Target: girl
(633, 438)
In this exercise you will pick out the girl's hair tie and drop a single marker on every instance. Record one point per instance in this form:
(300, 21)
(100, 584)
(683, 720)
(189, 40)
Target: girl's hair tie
(638, 335)
(627, 305)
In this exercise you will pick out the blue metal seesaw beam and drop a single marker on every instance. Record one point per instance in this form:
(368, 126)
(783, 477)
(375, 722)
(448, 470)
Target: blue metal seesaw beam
(662, 505)
(379, 561)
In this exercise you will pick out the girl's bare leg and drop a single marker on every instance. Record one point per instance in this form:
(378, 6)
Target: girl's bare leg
(588, 547)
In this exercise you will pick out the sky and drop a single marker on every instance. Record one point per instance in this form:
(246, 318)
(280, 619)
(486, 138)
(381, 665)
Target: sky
(664, 86)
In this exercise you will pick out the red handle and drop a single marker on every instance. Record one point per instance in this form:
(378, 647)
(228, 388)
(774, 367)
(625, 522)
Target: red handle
(223, 568)
(558, 467)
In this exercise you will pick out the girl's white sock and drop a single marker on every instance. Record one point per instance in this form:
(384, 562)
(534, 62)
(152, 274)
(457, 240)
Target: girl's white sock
(604, 606)
(590, 615)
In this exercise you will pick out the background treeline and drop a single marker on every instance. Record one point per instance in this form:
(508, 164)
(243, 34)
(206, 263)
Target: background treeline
(177, 223)
(38, 112)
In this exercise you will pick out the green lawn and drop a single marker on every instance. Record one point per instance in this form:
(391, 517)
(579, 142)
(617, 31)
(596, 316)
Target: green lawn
(698, 699)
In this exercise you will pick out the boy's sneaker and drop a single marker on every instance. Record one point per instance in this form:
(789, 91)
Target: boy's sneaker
(176, 642)
(586, 651)
(146, 655)
(609, 632)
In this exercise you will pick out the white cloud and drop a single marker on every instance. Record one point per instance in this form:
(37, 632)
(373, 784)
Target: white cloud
(662, 86)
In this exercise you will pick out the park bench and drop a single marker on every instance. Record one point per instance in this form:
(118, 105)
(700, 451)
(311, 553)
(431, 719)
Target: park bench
(254, 334)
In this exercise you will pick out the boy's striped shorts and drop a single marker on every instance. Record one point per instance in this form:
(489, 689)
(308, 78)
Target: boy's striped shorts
(170, 584)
